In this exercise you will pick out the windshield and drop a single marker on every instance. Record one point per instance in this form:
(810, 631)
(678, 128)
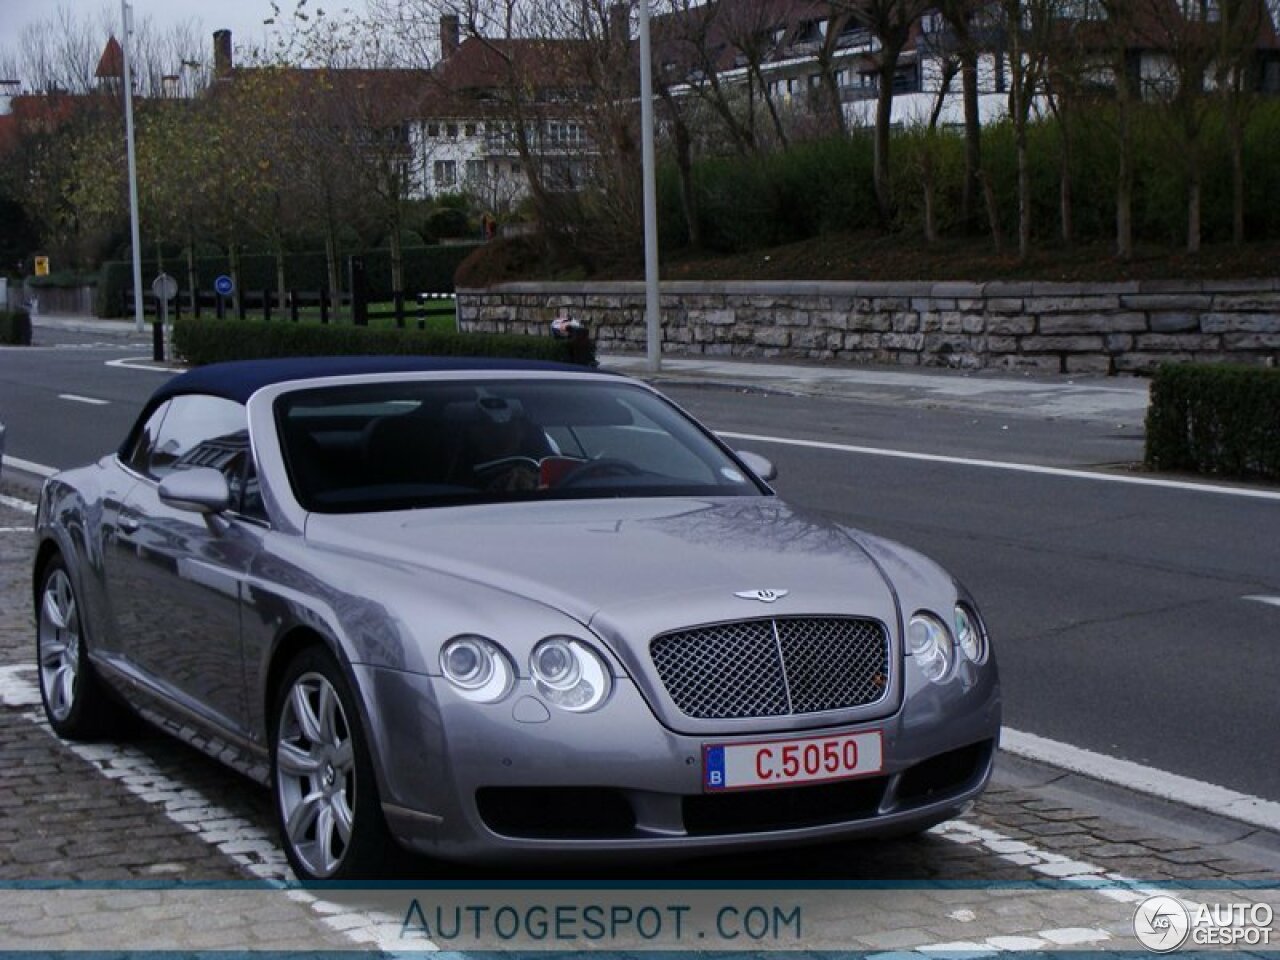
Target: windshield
(393, 446)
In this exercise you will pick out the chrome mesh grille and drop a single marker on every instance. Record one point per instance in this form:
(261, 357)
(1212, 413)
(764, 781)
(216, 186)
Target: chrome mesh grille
(772, 668)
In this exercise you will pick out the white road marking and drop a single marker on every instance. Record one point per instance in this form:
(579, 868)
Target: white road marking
(141, 363)
(27, 466)
(1012, 467)
(253, 849)
(1272, 601)
(75, 397)
(1148, 780)
(15, 529)
(26, 506)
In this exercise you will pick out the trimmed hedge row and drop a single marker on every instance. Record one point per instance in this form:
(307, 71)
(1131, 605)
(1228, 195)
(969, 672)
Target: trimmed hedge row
(426, 270)
(213, 341)
(15, 327)
(1215, 419)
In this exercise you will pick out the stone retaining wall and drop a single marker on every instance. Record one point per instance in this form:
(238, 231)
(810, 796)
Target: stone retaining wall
(1052, 327)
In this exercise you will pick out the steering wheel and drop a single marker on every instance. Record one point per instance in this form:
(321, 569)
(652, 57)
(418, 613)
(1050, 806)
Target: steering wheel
(603, 467)
(509, 473)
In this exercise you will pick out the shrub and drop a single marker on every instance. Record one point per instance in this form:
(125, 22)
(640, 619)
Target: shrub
(1215, 419)
(213, 341)
(15, 327)
(63, 279)
(449, 222)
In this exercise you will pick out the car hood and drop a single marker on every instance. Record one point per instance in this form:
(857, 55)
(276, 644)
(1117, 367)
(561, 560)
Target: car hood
(632, 567)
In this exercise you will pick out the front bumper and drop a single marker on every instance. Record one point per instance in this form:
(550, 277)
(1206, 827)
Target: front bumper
(520, 780)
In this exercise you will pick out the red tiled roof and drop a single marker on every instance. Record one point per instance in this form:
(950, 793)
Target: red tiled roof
(481, 64)
(111, 63)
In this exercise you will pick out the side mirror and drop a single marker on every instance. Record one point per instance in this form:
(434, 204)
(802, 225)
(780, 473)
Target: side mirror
(200, 489)
(762, 467)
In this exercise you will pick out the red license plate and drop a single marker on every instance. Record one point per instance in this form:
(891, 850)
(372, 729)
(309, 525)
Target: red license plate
(776, 763)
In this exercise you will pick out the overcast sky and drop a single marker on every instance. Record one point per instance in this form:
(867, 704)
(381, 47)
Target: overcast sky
(242, 17)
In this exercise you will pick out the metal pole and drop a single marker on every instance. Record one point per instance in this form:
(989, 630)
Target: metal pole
(653, 323)
(126, 16)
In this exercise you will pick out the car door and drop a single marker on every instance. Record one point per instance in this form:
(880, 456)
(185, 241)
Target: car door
(177, 576)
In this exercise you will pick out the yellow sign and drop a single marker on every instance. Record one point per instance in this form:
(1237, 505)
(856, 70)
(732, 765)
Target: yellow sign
(42, 266)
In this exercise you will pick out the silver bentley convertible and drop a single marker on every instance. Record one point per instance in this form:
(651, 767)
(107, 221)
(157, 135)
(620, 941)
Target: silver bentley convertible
(491, 610)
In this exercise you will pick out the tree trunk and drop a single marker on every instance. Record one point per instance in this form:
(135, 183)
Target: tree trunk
(191, 271)
(1237, 183)
(774, 116)
(1124, 178)
(1024, 191)
(331, 261)
(993, 211)
(397, 260)
(972, 139)
(1193, 206)
(884, 118)
(281, 293)
(927, 182)
(233, 263)
(1065, 211)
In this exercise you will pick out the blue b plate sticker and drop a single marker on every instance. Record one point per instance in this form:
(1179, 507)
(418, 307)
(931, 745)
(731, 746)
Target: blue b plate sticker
(753, 764)
(713, 768)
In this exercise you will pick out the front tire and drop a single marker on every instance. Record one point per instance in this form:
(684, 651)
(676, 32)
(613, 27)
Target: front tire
(76, 702)
(326, 798)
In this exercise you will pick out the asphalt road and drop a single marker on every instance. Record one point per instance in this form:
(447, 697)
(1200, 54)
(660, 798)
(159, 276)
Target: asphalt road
(1117, 610)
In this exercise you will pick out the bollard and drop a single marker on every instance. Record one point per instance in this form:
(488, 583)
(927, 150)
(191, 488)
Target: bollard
(157, 340)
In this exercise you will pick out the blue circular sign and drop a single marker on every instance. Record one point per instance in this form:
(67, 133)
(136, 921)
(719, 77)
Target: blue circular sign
(223, 285)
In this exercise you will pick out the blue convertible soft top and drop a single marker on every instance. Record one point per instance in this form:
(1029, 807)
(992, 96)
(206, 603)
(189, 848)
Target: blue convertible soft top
(241, 379)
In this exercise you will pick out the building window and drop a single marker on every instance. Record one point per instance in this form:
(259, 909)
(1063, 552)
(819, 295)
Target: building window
(433, 129)
(475, 170)
(445, 173)
(451, 131)
(470, 129)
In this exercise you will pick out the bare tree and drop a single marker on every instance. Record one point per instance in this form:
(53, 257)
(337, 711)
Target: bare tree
(689, 43)
(1236, 77)
(891, 22)
(963, 23)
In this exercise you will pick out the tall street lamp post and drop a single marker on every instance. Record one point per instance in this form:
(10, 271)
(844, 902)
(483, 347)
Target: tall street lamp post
(653, 323)
(126, 17)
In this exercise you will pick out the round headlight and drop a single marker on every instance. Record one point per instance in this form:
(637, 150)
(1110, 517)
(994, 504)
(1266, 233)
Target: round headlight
(477, 667)
(929, 644)
(569, 674)
(555, 665)
(970, 636)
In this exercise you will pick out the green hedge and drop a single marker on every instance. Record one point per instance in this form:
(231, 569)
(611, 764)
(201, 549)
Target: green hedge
(63, 279)
(426, 270)
(213, 341)
(1222, 420)
(15, 327)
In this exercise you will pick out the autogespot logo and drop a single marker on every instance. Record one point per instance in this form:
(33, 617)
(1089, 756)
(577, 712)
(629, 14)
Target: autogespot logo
(1161, 924)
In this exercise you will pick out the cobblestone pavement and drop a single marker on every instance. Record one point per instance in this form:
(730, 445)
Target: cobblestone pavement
(174, 837)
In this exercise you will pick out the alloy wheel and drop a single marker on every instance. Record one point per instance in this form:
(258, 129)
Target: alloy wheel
(315, 774)
(58, 644)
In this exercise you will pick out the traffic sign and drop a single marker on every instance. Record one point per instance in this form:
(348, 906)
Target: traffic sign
(42, 266)
(224, 286)
(164, 287)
